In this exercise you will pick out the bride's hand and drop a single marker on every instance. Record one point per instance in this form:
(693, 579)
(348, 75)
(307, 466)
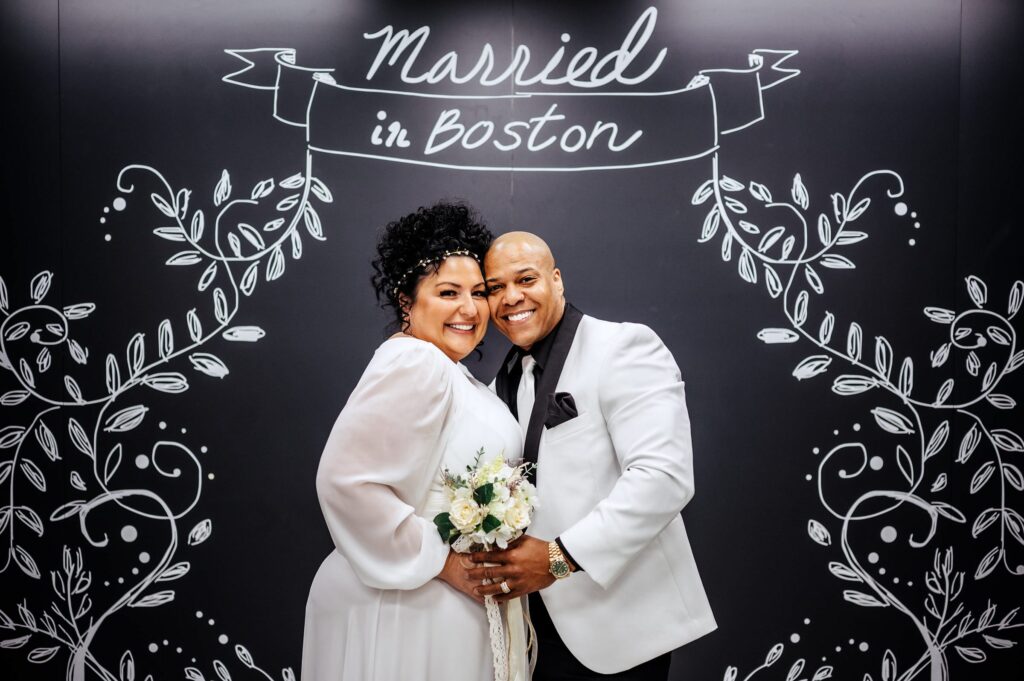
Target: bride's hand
(455, 575)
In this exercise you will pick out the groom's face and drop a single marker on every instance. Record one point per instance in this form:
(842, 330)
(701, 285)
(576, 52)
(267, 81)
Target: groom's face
(525, 291)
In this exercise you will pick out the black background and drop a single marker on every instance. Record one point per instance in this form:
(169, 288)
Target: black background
(928, 89)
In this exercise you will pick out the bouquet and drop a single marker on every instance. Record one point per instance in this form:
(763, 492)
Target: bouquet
(489, 505)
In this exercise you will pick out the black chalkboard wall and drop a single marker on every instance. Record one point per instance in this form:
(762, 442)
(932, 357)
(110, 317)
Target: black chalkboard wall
(813, 203)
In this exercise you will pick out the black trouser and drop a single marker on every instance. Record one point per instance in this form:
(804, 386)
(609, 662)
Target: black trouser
(556, 663)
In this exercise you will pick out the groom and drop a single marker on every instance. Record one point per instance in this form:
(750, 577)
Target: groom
(612, 583)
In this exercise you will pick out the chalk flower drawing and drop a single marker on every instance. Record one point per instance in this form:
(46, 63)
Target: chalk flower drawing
(790, 260)
(230, 260)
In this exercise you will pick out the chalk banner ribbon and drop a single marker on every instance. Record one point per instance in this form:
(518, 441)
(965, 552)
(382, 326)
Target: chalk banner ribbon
(524, 131)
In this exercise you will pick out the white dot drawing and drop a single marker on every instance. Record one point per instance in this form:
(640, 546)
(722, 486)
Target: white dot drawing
(900, 208)
(119, 203)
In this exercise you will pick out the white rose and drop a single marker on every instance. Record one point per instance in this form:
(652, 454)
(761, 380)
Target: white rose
(517, 516)
(465, 513)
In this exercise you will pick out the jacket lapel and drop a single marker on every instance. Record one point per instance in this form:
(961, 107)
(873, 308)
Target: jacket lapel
(549, 380)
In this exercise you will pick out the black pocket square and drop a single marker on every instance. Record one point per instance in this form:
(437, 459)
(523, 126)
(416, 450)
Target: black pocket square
(561, 408)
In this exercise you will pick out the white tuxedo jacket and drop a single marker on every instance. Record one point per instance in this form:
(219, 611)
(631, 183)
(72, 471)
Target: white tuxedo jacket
(611, 483)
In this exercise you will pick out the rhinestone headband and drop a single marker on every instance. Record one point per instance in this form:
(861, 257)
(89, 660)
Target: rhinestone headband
(426, 262)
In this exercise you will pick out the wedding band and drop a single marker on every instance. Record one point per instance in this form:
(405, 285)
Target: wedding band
(505, 587)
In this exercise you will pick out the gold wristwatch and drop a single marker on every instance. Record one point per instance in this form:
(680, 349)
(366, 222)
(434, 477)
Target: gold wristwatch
(557, 564)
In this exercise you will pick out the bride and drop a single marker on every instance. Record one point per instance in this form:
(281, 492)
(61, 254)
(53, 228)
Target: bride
(392, 602)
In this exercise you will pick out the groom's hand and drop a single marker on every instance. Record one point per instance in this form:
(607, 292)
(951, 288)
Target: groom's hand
(454, 574)
(524, 567)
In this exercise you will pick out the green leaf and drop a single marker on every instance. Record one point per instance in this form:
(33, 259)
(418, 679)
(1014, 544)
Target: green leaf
(445, 527)
(483, 494)
(491, 523)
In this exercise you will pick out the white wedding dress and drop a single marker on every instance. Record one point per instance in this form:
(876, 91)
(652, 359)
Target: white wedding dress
(375, 610)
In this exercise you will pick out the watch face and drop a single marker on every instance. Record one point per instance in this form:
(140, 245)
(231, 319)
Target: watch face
(560, 569)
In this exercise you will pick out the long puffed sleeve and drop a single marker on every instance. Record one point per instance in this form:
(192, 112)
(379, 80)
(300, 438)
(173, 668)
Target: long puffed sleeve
(644, 405)
(378, 464)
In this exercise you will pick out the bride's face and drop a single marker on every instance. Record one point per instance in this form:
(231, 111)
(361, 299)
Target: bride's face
(450, 309)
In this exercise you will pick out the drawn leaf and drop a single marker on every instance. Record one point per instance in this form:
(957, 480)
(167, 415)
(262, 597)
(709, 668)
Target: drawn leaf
(858, 210)
(167, 382)
(251, 235)
(165, 339)
(320, 190)
(787, 246)
(1016, 297)
(208, 364)
(892, 422)
(949, 511)
(197, 225)
(969, 442)
(112, 463)
(41, 655)
(136, 353)
(40, 285)
(852, 384)
(312, 222)
(235, 244)
(977, 290)
(819, 533)
(222, 671)
(30, 519)
(66, 510)
(79, 438)
(937, 440)
(244, 333)
(981, 476)
(906, 466)
(854, 339)
(823, 673)
(811, 366)
(727, 247)
(296, 245)
(711, 223)
(824, 229)
(249, 278)
(799, 192)
(998, 335)
(888, 666)
(208, 276)
(839, 207)
(747, 268)
(4, 302)
(735, 205)
(262, 188)
(220, 305)
(79, 310)
(13, 398)
(153, 600)
(288, 202)
(998, 643)
(883, 356)
(1013, 476)
(863, 599)
(1007, 440)
(223, 189)
(825, 330)
(843, 572)
(974, 655)
(274, 225)
(275, 267)
(193, 674)
(813, 279)
(13, 643)
(31, 471)
(10, 436)
(760, 192)
(940, 483)
(771, 280)
(770, 238)
(800, 309)
(730, 185)
(244, 655)
(988, 563)
(795, 669)
(127, 666)
(703, 193)
(749, 227)
(185, 258)
(773, 655)
(125, 419)
(195, 327)
(775, 335)
(836, 262)
(175, 571)
(944, 391)
(26, 563)
(200, 533)
(170, 233)
(906, 381)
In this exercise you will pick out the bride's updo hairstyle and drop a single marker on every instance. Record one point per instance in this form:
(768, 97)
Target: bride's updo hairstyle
(414, 246)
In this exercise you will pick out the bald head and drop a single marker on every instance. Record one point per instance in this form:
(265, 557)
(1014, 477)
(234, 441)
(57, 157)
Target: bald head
(526, 295)
(521, 243)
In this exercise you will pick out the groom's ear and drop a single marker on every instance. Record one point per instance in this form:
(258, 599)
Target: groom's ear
(556, 277)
